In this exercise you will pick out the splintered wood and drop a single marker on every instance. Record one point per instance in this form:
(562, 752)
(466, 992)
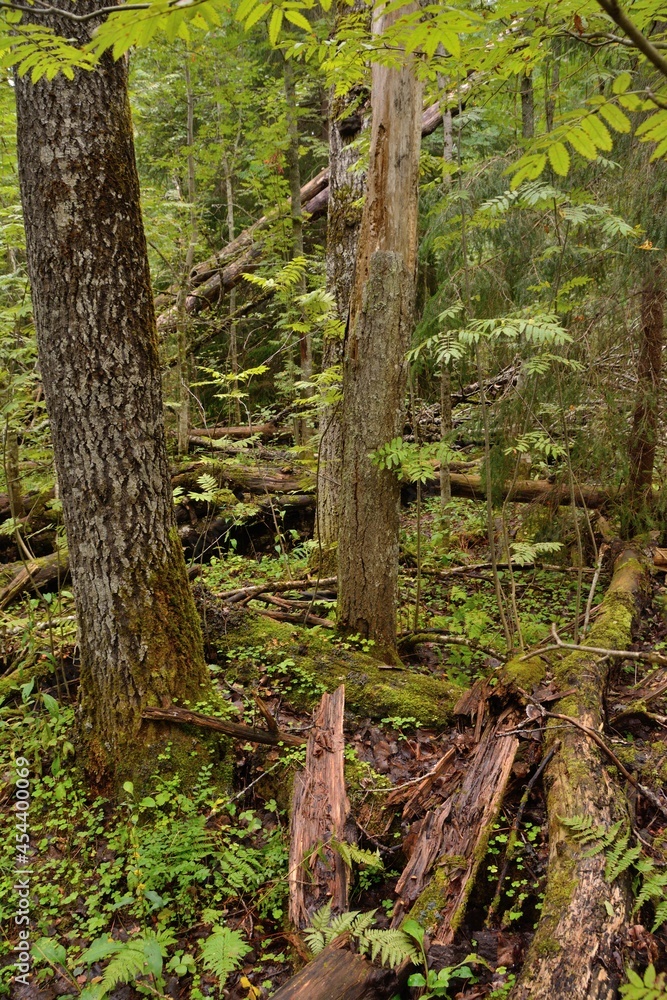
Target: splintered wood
(453, 836)
(320, 810)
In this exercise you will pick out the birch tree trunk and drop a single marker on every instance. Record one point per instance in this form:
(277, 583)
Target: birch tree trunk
(139, 633)
(375, 369)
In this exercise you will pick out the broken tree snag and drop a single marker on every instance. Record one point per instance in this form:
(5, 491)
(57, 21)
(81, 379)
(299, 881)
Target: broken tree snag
(574, 950)
(452, 839)
(320, 809)
(339, 974)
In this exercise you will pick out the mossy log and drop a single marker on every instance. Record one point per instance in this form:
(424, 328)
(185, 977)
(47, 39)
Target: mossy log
(253, 477)
(574, 951)
(370, 691)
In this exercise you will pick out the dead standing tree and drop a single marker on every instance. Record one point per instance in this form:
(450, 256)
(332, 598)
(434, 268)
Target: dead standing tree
(375, 369)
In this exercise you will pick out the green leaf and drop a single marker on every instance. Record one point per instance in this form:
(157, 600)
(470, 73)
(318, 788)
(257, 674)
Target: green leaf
(615, 117)
(299, 20)
(101, 948)
(413, 930)
(48, 950)
(621, 83)
(598, 132)
(256, 15)
(275, 25)
(581, 143)
(559, 158)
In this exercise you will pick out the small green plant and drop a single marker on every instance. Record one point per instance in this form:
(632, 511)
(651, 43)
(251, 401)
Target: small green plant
(223, 951)
(400, 723)
(651, 987)
(436, 984)
(620, 856)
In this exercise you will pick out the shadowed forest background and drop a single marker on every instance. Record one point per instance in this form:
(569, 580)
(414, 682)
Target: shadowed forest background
(333, 504)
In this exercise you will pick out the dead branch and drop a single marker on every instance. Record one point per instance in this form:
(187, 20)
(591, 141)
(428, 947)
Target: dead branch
(235, 729)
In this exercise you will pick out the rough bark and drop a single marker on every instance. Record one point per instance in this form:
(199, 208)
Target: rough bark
(375, 370)
(527, 107)
(139, 634)
(320, 810)
(644, 433)
(346, 189)
(454, 838)
(574, 950)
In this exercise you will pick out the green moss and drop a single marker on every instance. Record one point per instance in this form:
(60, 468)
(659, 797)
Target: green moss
(527, 674)
(369, 691)
(428, 908)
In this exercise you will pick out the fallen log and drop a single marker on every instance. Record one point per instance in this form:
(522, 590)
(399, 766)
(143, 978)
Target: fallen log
(583, 920)
(320, 810)
(33, 574)
(267, 430)
(253, 477)
(340, 974)
(533, 491)
(233, 729)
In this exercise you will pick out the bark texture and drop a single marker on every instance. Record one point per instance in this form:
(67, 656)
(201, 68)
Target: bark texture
(320, 810)
(644, 433)
(339, 974)
(139, 634)
(578, 936)
(346, 189)
(375, 370)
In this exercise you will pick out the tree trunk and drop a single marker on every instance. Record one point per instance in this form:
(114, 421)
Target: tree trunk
(233, 345)
(445, 374)
(346, 189)
(294, 174)
(375, 368)
(644, 433)
(527, 107)
(183, 347)
(139, 633)
(584, 917)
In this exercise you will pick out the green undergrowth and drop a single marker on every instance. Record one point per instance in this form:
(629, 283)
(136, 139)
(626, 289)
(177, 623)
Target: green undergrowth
(303, 663)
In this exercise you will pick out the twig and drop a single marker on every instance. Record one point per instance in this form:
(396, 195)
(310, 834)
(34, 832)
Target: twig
(597, 739)
(275, 587)
(298, 619)
(435, 635)
(234, 729)
(604, 548)
(616, 654)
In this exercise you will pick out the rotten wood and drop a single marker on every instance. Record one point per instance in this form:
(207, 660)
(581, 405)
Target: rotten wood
(415, 795)
(320, 810)
(234, 729)
(452, 839)
(340, 974)
(34, 574)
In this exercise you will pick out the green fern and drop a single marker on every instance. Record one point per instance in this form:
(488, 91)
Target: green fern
(223, 952)
(140, 956)
(620, 856)
(391, 947)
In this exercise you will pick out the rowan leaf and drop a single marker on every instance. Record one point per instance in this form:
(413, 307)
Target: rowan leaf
(559, 158)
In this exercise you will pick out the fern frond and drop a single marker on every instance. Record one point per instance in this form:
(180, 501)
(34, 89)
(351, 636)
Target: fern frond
(391, 947)
(223, 951)
(660, 916)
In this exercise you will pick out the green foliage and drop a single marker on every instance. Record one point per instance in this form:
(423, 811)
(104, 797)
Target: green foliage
(390, 947)
(621, 856)
(222, 952)
(650, 987)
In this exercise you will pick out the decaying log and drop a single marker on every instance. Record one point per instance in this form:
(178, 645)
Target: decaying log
(583, 918)
(254, 477)
(35, 573)
(533, 491)
(339, 974)
(320, 809)
(234, 729)
(452, 840)
(268, 430)
(275, 587)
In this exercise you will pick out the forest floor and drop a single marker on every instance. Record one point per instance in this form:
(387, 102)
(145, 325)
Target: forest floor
(177, 866)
